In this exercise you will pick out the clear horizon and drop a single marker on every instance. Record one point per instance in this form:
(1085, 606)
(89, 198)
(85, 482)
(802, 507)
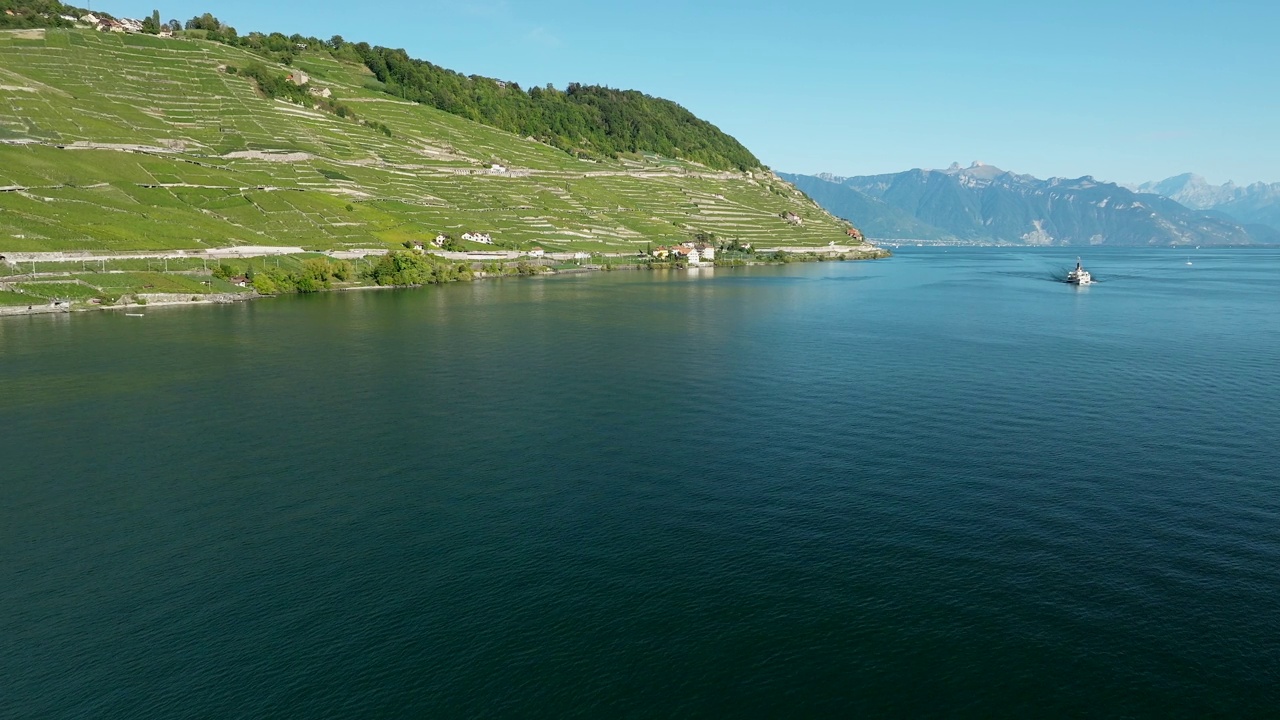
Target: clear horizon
(1125, 94)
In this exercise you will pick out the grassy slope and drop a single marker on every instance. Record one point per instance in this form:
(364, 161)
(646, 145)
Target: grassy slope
(59, 88)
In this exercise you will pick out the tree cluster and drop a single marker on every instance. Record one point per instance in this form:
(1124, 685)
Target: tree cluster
(35, 14)
(404, 267)
(735, 246)
(151, 24)
(277, 85)
(274, 84)
(587, 120)
(316, 274)
(275, 46)
(206, 22)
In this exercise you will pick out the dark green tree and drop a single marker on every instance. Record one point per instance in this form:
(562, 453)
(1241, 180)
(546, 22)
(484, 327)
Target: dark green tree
(204, 22)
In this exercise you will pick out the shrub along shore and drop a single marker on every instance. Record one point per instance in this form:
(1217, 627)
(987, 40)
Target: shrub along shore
(54, 287)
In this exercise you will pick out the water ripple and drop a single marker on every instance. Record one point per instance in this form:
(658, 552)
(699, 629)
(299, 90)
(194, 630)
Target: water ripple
(937, 482)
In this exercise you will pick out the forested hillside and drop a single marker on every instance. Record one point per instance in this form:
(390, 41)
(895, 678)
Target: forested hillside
(115, 140)
(584, 120)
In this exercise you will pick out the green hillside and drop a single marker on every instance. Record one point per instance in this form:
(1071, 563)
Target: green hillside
(113, 141)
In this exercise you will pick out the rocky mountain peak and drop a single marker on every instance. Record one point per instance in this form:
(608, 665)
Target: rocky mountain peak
(985, 204)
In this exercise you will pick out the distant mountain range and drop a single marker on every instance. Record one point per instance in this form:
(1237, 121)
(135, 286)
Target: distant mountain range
(985, 204)
(1258, 203)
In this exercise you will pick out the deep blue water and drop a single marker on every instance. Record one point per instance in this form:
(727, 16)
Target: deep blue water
(940, 484)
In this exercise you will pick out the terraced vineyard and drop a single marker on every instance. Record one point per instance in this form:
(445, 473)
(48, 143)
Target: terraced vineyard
(132, 142)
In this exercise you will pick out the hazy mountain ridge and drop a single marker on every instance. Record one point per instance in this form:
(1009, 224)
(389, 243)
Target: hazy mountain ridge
(982, 203)
(1255, 203)
(874, 217)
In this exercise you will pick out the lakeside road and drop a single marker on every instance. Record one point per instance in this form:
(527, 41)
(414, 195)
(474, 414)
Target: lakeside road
(255, 251)
(143, 300)
(237, 252)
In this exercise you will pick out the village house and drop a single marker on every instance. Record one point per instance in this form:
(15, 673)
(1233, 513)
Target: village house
(418, 245)
(854, 233)
(240, 281)
(297, 77)
(661, 252)
(708, 252)
(687, 254)
(322, 92)
(792, 218)
(482, 238)
(440, 240)
(89, 19)
(131, 25)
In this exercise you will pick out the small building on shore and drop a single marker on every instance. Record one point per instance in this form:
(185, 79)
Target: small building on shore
(688, 254)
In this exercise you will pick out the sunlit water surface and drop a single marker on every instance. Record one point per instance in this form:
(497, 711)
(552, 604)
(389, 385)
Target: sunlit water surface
(937, 484)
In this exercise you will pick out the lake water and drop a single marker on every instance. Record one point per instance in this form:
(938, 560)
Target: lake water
(940, 484)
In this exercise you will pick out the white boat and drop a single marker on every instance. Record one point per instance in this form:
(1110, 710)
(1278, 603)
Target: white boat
(1079, 276)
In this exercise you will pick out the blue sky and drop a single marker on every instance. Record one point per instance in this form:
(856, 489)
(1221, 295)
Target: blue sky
(1124, 91)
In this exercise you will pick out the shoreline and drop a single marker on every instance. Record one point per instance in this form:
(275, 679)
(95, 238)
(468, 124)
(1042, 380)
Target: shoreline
(157, 300)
